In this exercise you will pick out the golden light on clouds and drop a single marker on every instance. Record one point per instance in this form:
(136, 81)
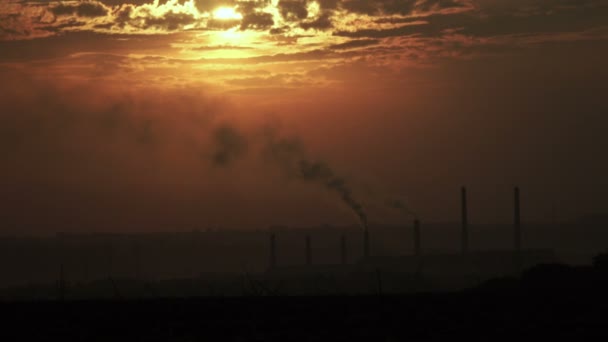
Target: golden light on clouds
(227, 13)
(290, 43)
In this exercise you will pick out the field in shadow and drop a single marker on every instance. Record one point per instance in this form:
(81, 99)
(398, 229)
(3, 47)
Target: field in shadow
(547, 302)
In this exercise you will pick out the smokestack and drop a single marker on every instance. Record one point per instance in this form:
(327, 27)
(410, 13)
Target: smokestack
(308, 251)
(465, 221)
(343, 249)
(517, 221)
(366, 243)
(62, 283)
(273, 251)
(417, 238)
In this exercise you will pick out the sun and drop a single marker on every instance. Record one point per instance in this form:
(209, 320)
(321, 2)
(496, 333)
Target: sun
(226, 13)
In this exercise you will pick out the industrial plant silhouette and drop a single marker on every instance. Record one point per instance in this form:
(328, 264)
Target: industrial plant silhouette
(316, 284)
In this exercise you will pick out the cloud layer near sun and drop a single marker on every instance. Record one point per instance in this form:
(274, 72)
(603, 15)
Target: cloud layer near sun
(334, 24)
(23, 19)
(286, 44)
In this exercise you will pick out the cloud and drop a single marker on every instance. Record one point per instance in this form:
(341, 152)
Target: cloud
(210, 5)
(376, 7)
(61, 46)
(282, 57)
(478, 25)
(169, 21)
(257, 21)
(328, 4)
(404, 30)
(353, 44)
(293, 10)
(428, 5)
(220, 47)
(322, 23)
(87, 9)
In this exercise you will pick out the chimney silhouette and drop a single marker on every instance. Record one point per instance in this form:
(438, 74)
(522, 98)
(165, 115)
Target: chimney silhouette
(516, 220)
(417, 238)
(62, 283)
(465, 221)
(273, 251)
(308, 251)
(366, 243)
(343, 250)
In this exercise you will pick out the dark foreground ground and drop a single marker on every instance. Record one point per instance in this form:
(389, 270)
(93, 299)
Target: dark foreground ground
(470, 315)
(551, 302)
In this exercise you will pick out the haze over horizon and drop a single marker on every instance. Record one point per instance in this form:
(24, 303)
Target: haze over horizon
(141, 115)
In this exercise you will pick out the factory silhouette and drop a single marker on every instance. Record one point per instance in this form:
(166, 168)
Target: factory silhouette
(281, 261)
(418, 270)
(505, 261)
(342, 287)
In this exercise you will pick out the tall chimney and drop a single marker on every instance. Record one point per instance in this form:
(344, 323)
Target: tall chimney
(273, 251)
(366, 243)
(465, 221)
(308, 251)
(517, 221)
(62, 283)
(343, 250)
(417, 239)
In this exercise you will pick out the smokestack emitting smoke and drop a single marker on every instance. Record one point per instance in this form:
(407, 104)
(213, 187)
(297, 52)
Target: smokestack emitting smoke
(322, 173)
(343, 250)
(273, 252)
(308, 251)
(399, 205)
(516, 221)
(290, 154)
(417, 238)
(465, 221)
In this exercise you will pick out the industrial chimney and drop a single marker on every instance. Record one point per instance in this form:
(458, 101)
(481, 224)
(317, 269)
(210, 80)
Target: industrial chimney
(366, 243)
(273, 251)
(517, 221)
(343, 249)
(62, 283)
(308, 251)
(465, 221)
(417, 238)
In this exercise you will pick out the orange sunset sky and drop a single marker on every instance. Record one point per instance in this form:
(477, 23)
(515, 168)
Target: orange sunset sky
(142, 115)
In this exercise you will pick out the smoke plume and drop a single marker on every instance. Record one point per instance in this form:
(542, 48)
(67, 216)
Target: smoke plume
(230, 145)
(395, 203)
(291, 156)
(135, 159)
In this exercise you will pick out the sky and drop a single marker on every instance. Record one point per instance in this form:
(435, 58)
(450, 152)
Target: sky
(141, 115)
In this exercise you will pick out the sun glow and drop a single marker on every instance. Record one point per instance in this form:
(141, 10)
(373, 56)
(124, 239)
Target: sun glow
(226, 13)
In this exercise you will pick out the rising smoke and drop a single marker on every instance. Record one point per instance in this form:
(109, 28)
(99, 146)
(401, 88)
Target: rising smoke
(105, 144)
(229, 145)
(398, 204)
(291, 156)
